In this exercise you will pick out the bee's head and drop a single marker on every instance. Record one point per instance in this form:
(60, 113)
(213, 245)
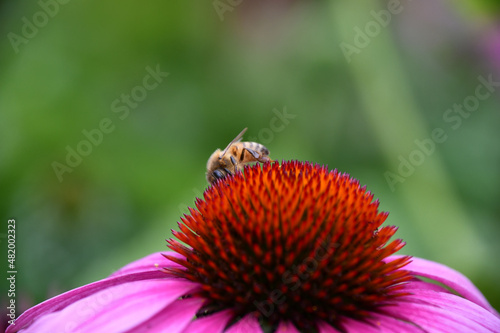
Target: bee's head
(218, 167)
(219, 174)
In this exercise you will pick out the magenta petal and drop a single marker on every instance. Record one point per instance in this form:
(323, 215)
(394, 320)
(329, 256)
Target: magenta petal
(459, 306)
(172, 319)
(447, 276)
(432, 318)
(352, 325)
(423, 285)
(133, 307)
(214, 323)
(61, 301)
(114, 309)
(391, 324)
(154, 261)
(245, 325)
(287, 327)
(324, 327)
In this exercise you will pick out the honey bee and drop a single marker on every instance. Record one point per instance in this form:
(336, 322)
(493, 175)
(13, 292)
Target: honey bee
(234, 157)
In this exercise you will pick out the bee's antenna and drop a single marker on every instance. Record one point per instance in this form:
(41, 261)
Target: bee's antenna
(236, 139)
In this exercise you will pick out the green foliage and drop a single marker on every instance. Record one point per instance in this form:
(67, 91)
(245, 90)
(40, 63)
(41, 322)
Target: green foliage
(361, 116)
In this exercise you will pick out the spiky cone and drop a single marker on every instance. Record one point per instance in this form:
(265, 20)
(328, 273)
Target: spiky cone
(281, 248)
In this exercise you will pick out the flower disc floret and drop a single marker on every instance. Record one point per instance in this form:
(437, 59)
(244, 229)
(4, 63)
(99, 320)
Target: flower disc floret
(291, 241)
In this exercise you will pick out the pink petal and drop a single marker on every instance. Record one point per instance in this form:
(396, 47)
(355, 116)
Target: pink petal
(153, 262)
(376, 323)
(114, 309)
(352, 325)
(214, 323)
(390, 324)
(61, 301)
(247, 324)
(449, 277)
(133, 307)
(173, 319)
(459, 306)
(287, 327)
(431, 318)
(423, 285)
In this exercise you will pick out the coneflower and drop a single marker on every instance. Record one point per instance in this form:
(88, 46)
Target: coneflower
(289, 247)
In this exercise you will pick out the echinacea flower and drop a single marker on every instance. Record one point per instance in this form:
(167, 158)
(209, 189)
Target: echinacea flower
(288, 247)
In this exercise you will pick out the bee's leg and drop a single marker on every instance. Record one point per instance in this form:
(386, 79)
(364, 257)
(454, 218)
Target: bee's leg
(257, 156)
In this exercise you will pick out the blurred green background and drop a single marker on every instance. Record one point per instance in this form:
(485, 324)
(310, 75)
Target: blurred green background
(350, 85)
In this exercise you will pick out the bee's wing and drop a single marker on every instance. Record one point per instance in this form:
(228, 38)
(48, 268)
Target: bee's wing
(236, 139)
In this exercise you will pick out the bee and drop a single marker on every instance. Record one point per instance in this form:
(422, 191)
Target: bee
(234, 157)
